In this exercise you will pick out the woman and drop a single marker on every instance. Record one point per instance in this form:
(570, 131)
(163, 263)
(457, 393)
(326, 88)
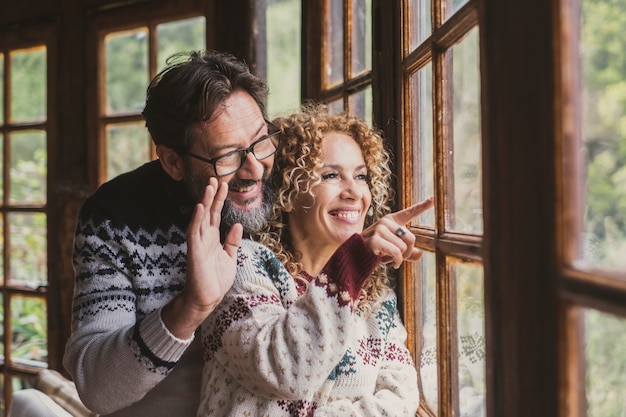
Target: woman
(311, 327)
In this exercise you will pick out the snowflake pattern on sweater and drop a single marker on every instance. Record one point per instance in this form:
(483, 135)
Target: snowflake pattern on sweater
(270, 351)
(129, 260)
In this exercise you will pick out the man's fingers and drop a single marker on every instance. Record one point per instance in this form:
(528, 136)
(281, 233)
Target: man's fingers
(218, 204)
(406, 215)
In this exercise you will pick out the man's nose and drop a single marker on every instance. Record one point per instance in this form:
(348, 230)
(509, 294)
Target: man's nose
(252, 167)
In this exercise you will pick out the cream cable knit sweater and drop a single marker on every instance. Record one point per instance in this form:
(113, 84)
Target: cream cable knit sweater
(270, 352)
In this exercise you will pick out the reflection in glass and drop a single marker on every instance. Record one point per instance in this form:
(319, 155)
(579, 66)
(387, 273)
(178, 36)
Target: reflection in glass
(420, 26)
(179, 36)
(28, 164)
(334, 38)
(128, 147)
(126, 70)
(602, 55)
(427, 341)
(28, 249)
(605, 353)
(471, 338)
(361, 36)
(284, 33)
(465, 209)
(421, 85)
(29, 331)
(360, 105)
(28, 85)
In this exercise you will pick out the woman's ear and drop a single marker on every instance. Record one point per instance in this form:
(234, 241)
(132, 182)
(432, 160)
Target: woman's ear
(171, 162)
(288, 207)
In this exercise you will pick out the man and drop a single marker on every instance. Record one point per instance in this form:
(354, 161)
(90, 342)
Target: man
(149, 261)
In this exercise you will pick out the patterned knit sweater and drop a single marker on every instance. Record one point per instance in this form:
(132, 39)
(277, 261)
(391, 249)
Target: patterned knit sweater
(130, 260)
(271, 352)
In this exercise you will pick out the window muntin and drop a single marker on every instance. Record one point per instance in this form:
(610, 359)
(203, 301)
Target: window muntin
(131, 60)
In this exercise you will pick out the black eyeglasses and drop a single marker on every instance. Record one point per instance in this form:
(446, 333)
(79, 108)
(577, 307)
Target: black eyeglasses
(230, 162)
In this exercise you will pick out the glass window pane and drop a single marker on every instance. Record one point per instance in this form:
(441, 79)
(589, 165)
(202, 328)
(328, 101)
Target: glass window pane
(421, 108)
(126, 70)
(361, 36)
(336, 106)
(334, 43)
(2, 327)
(28, 249)
(128, 147)
(1, 89)
(3, 280)
(284, 33)
(28, 85)
(361, 105)
(179, 36)
(466, 205)
(471, 338)
(1, 169)
(605, 353)
(452, 6)
(604, 132)
(420, 26)
(28, 161)
(427, 337)
(29, 331)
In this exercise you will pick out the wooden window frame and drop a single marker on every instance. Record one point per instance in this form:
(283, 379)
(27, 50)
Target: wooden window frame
(24, 38)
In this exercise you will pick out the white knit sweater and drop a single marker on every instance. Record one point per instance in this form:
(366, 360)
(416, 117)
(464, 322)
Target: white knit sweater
(271, 352)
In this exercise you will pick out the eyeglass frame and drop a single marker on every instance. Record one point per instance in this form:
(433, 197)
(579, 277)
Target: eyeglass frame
(246, 151)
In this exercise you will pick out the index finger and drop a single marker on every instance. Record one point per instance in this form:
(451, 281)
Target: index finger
(406, 215)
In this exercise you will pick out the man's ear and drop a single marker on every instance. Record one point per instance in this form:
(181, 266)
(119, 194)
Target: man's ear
(171, 162)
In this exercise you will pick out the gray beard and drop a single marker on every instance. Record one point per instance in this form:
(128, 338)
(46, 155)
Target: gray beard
(252, 220)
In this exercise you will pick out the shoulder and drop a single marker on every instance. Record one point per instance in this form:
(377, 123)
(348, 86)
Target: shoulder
(145, 198)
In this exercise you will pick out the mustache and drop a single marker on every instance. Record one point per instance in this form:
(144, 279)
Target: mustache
(243, 183)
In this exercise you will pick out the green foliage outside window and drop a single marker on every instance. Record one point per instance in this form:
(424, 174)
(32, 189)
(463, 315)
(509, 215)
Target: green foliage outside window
(603, 59)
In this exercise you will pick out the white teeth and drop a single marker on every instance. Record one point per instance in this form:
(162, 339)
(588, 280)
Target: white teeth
(243, 189)
(352, 215)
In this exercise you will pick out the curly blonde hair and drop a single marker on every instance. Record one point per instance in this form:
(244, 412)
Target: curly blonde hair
(296, 167)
